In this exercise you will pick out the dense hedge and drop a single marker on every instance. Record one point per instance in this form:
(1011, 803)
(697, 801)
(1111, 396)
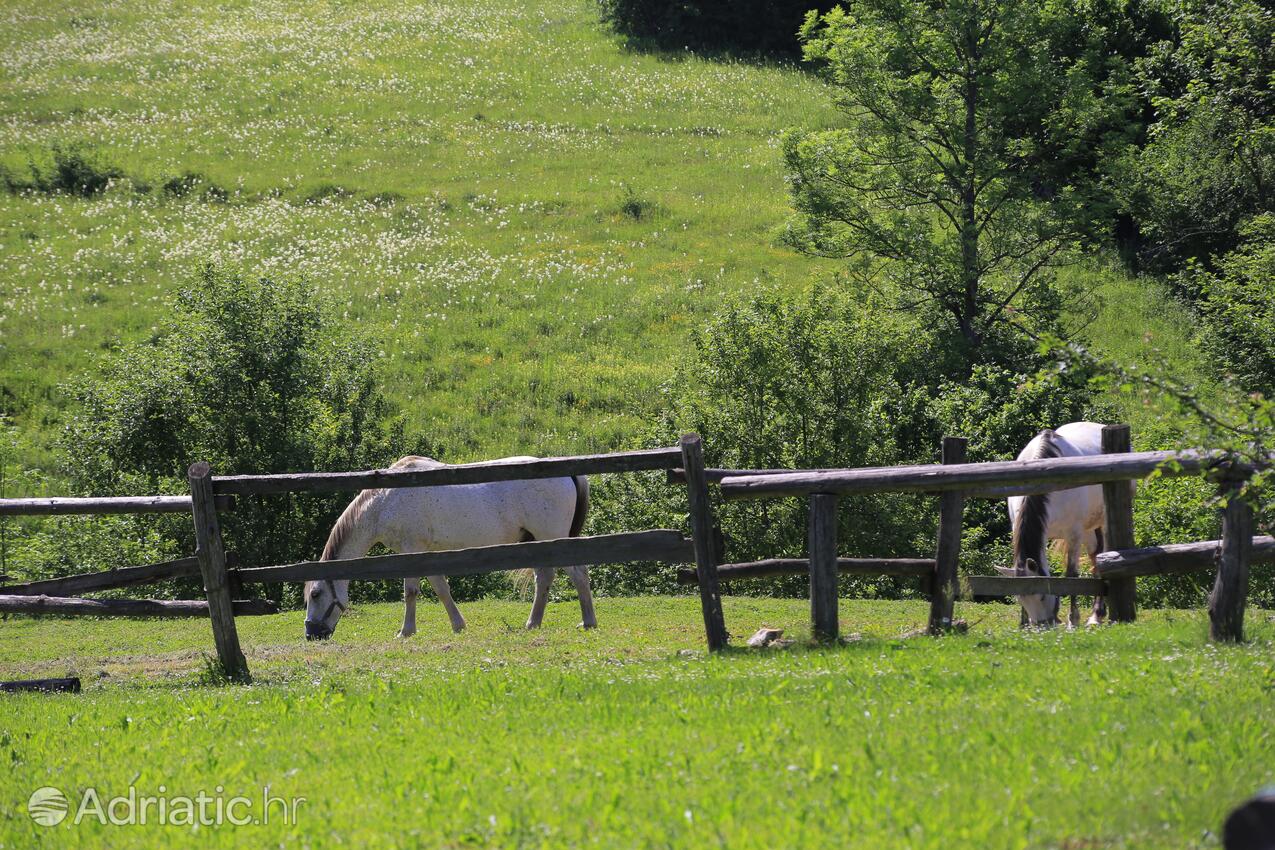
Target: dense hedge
(767, 27)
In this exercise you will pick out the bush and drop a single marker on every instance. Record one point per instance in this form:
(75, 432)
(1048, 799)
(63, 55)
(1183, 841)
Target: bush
(825, 382)
(1237, 308)
(753, 27)
(253, 375)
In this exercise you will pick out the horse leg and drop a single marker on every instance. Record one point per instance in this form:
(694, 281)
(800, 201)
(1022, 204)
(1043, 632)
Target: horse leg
(1073, 571)
(580, 578)
(544, 578)
(444, 592)
(411, 590)
(1094, 545)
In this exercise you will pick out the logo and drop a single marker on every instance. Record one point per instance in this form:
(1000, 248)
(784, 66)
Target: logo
(48, 806)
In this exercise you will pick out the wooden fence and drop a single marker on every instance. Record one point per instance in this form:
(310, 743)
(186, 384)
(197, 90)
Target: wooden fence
(955, 481)
(210, 494)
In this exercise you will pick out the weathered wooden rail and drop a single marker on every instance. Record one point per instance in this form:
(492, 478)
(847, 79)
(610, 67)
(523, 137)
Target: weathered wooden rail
(954, 481)
(209, 494)
(161, 608)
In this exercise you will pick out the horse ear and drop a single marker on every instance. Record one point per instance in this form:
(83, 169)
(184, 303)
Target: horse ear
(1005, 571)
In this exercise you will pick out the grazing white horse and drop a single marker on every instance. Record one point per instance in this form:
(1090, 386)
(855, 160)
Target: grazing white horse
(454, 516)
(1073, 517)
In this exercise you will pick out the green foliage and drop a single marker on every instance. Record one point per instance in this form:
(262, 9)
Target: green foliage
(944, 186)
(1237, 308)
(822, 381)
(751, 27)
(251, 374)
(70, 169)
(1210, 160)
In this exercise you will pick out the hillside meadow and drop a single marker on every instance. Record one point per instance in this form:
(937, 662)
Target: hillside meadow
(1137, 736)
(524, 216)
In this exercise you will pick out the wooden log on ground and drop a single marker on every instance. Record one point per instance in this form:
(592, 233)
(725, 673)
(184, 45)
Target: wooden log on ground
(973, 586)
(70, 684)
(73, 606)
(1117, 497)
(906, 567)
(824, 620)
(659, 545)
(1039, 475)
(704, 541)
(101, 505)
(1230, 588)
(947, 553)
(212, 566)
(1176, 558)
(107, 579)
(466, 473)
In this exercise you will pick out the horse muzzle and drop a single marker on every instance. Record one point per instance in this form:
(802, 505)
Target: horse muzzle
(317, 631)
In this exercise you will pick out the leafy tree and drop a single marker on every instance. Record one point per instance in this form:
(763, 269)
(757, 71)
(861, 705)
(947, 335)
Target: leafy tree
(1237, 308)
(825, 381)
(955, 180)
(1209, 162)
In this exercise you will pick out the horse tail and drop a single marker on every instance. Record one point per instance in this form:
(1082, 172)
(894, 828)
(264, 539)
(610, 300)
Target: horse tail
(582, 505)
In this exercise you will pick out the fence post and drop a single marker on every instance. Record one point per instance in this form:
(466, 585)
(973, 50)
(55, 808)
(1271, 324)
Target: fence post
(948, 551)
(1230, 589)
(704, 538)
(1117, 497)
(212, 565)
(824, 623)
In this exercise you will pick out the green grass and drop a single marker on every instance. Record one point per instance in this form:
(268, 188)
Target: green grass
(1134, 736)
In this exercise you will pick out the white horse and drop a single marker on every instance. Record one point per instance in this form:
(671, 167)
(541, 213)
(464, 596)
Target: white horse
(454, 516)
(1073, 517)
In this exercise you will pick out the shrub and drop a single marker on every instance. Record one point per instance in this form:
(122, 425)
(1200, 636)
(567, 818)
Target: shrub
(753, 27)
(822, 381)
(252, 374)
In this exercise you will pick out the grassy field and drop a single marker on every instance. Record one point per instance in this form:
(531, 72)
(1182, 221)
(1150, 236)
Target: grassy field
(526, 217)
(1136, 736)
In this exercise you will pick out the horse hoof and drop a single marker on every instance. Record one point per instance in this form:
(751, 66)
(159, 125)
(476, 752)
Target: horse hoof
(586, 625)
(531, 627)
(1091, 622)
(403, 633)
(458, 629)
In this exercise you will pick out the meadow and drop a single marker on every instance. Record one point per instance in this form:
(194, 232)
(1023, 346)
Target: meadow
(1138, 736)
(526, 217)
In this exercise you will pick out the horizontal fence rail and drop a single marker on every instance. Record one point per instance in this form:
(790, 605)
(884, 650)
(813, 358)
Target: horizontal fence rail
(1028, 585)
(907, 567)
(73, 606)
(657, 545)
(59, 506)
(107, 579)
(1175, 558)
(466, 473)
(1029, 475)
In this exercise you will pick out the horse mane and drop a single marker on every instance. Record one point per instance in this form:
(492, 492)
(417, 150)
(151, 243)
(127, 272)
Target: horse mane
(346, 522)
(1033, 518)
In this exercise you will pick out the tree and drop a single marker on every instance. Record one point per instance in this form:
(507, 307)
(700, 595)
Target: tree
(959, 177)
(254, 375)
(1209, 161)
